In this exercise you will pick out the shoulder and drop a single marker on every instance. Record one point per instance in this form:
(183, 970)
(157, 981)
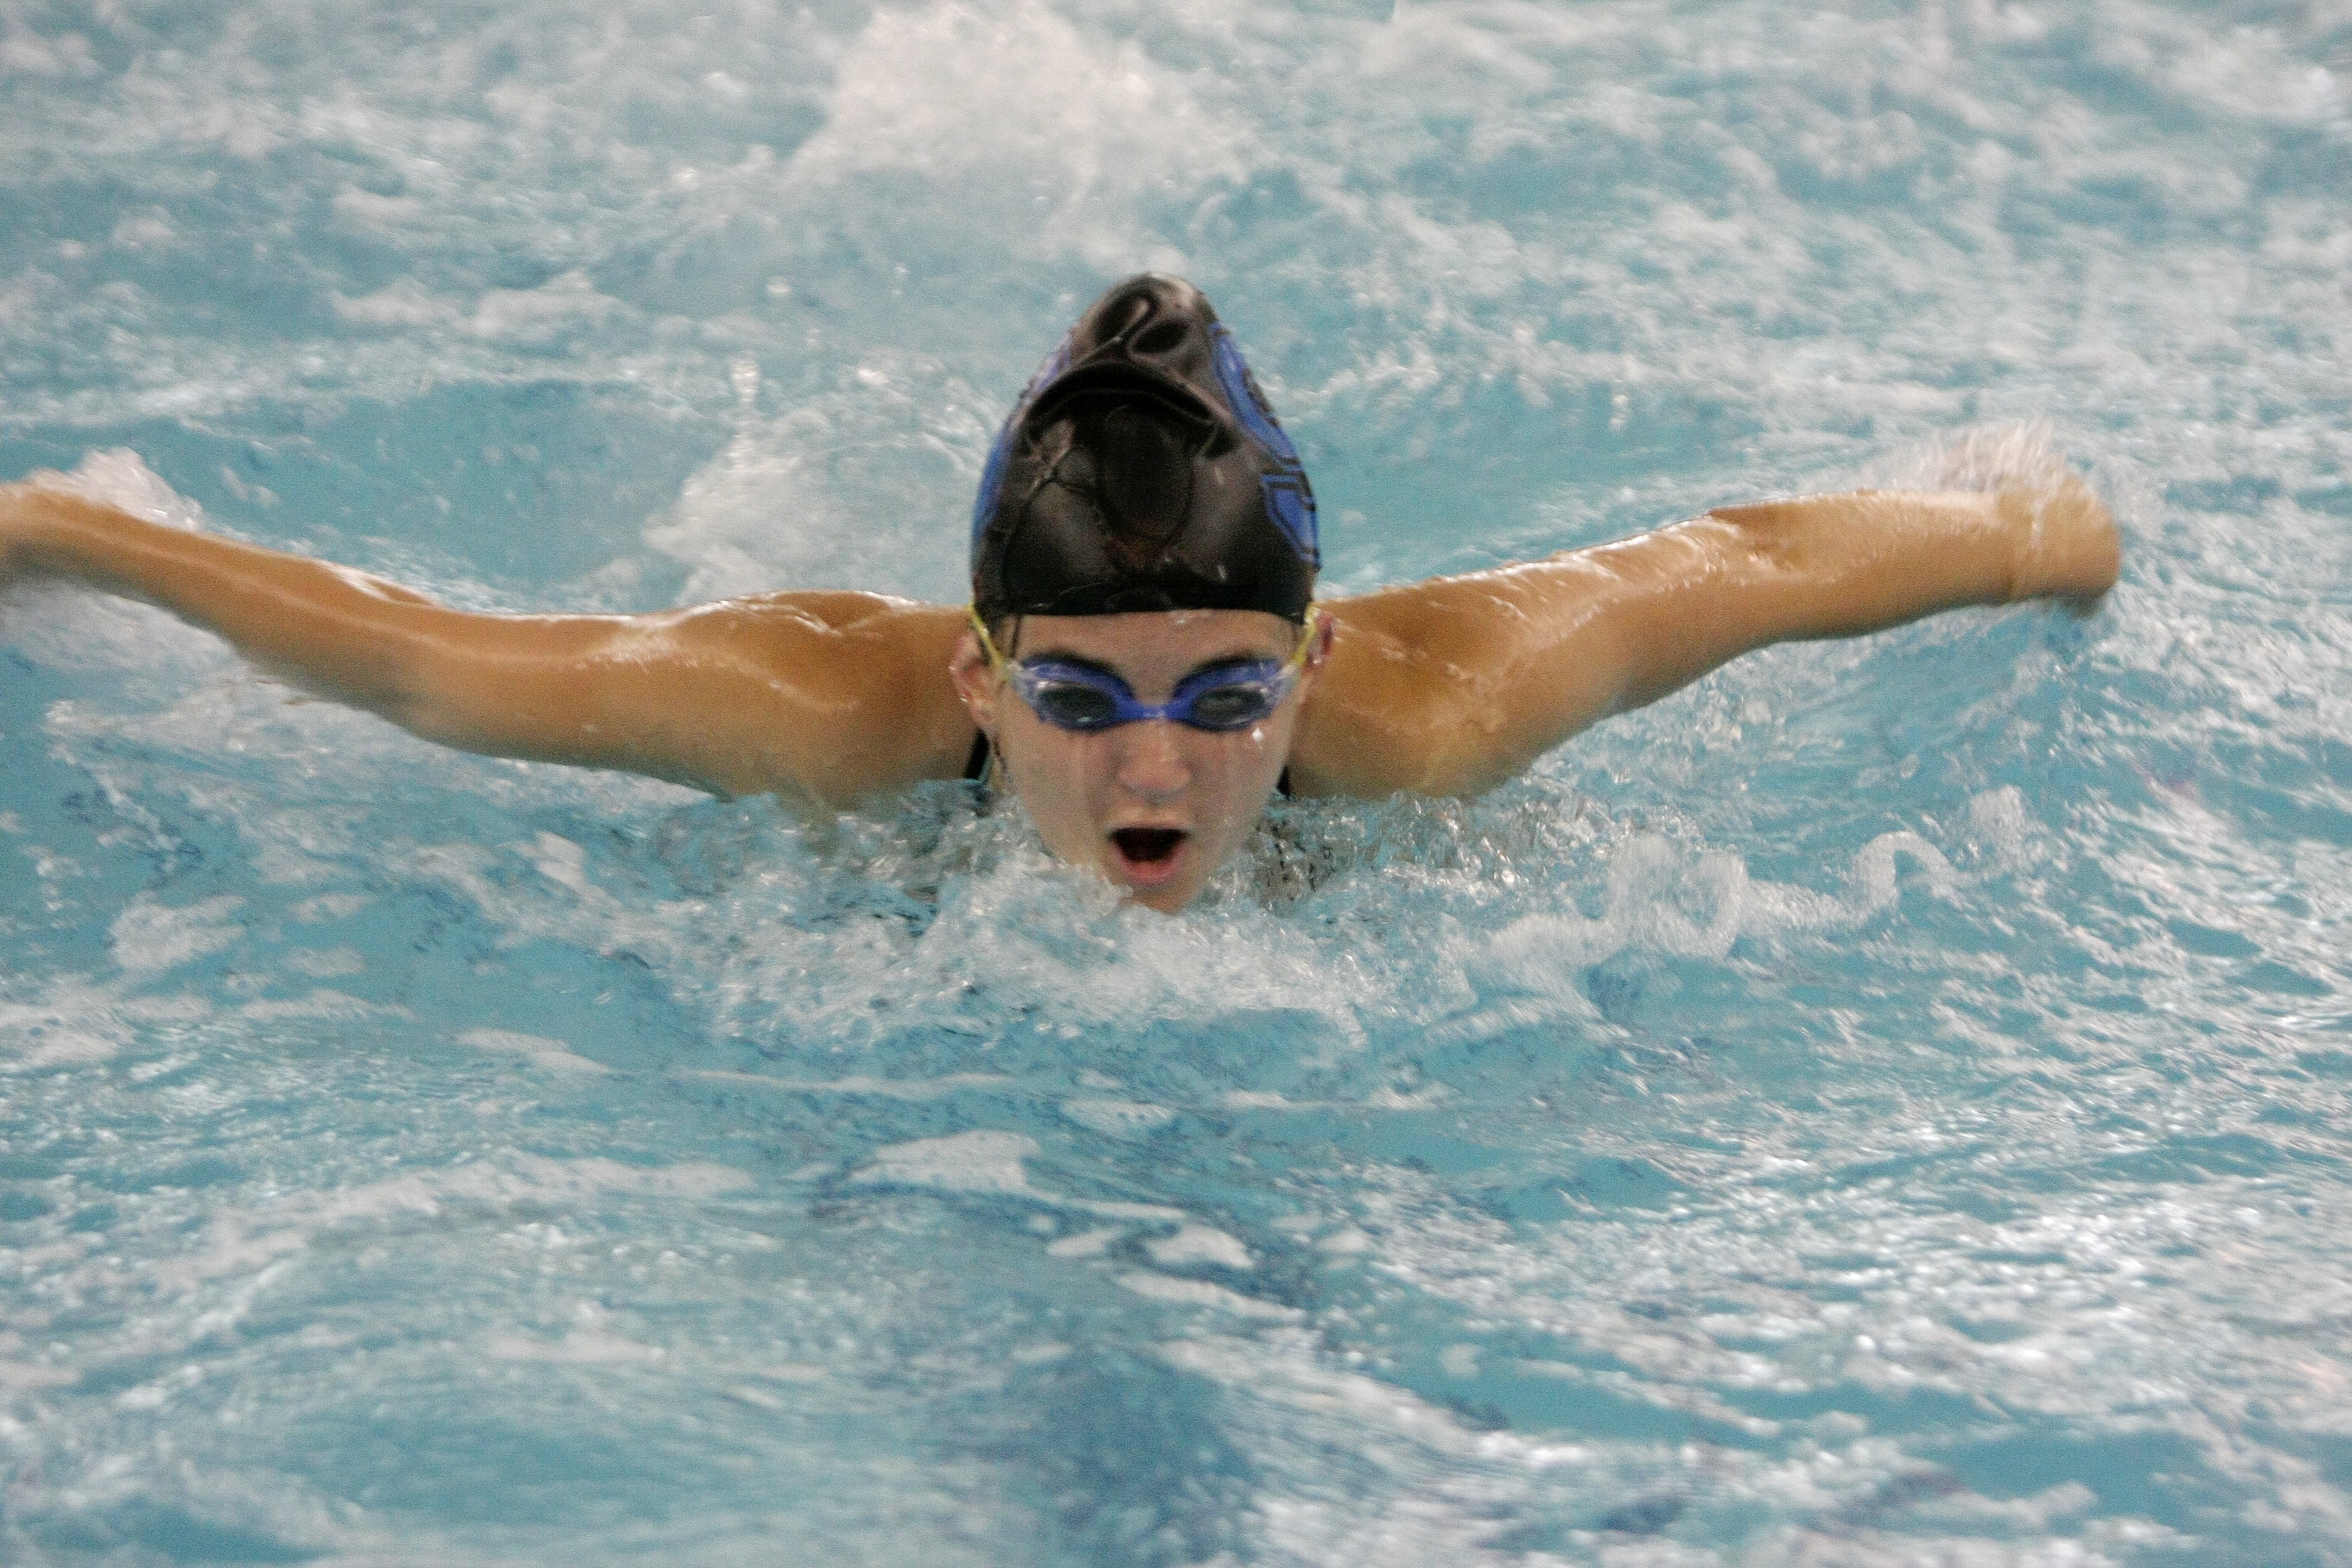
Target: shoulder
(840, 696)
(840, 612)
(819, 632)
(1408, 670)
(1450, 685)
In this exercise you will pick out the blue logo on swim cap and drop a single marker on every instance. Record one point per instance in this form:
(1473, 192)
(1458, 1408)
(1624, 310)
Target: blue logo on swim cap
(991, 474)
(1293, 510)
(1289, 501)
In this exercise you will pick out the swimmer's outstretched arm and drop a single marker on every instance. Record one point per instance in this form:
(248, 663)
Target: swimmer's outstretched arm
(1452, 686)
(827, 696)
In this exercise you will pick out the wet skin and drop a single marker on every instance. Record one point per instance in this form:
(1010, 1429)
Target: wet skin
(831, 698)
(1154, 807)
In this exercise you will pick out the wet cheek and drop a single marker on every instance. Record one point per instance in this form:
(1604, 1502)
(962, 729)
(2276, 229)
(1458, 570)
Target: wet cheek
(1064, 783)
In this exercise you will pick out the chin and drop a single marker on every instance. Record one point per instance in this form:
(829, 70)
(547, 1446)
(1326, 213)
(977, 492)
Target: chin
(1164, 900)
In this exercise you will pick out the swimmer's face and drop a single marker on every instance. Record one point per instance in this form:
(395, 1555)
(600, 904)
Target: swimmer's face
(1156, 806)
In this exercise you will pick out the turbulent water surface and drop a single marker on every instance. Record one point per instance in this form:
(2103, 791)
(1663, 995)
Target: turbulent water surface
(1888, 1103)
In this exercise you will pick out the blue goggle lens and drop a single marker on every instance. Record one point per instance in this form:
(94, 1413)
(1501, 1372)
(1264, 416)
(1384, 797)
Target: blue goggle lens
(1072, 704)
(1071, 697)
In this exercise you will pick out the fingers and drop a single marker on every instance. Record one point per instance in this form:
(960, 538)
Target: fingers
(12, 526)
(2072, 551)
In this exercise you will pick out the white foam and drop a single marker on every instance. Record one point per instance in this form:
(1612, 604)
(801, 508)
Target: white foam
(1446, 228)
(2024, 454)
(238, 1242)
(923, 94)
(1651, 884)
(981, 1162)
(1198, 1244)
(326, 964)
(1084, 1243)
(71, 1025)
(1202, 1293)
(149, 937)
(578, 1347)
(551, 1056)
(121, 478)
(843, 489)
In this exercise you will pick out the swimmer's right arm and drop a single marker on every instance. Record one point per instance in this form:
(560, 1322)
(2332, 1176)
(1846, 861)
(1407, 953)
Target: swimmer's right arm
(827, 696)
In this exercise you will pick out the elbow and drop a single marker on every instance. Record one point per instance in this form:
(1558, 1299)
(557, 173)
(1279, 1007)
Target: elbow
(1762, 544)
(450, 703)
(369, 585)
(429, 720)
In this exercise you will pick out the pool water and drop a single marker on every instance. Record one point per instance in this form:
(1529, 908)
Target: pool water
(1890, 1103)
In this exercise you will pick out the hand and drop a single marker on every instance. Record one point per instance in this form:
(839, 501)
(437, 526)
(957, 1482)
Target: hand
(42, 521)
(15, 503)
(2069, 549)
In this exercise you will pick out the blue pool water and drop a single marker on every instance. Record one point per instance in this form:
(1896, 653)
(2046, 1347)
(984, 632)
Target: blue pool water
(1887, 1103)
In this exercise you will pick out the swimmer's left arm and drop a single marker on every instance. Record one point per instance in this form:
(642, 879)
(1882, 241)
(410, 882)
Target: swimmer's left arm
(1452, 686)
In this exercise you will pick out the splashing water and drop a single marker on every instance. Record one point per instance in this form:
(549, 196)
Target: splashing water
(1882, 1104)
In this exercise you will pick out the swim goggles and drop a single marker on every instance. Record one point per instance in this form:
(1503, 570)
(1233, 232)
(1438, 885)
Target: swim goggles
(1082, 698)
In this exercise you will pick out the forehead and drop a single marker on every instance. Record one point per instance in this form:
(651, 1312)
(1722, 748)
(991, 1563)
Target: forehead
(1160, 641)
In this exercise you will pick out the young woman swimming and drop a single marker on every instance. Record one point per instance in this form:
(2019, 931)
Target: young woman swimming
(1142, 661)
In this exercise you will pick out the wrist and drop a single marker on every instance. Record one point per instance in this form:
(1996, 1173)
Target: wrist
(2018, 514)
(2063, 541)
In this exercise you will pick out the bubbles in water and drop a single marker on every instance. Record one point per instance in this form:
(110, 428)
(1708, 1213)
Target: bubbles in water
(1876, 1104)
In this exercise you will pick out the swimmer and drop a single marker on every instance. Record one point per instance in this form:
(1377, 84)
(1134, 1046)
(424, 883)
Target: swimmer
(1143, 662)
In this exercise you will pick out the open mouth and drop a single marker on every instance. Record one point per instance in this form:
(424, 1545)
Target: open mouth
(1147, 850)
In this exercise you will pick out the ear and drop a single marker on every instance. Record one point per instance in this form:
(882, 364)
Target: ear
(1318, 651)
(975, 682)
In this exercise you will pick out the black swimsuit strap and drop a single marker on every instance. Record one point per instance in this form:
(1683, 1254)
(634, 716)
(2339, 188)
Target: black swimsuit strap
(976, 767)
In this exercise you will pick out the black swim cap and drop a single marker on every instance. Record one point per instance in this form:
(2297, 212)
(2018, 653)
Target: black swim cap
(1143, 470)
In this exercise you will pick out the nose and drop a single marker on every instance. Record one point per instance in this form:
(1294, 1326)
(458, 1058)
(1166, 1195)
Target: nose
(1152, 765)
